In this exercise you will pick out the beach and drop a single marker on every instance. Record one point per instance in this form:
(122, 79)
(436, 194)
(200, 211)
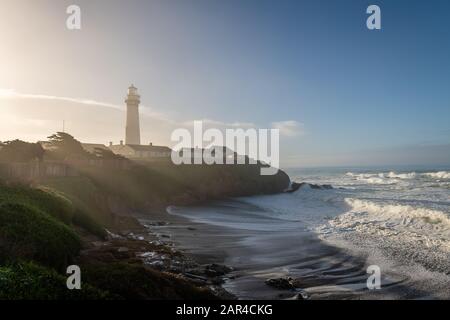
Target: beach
(317, 249)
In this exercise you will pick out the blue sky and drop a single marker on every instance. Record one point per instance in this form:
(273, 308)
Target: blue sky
(358, 97)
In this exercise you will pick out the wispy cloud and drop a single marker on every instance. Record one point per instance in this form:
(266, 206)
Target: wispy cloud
(289, 128)
(10, 93)
(19, 115)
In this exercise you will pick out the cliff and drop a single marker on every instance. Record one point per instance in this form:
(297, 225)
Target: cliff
(144, 185)
(60, 220)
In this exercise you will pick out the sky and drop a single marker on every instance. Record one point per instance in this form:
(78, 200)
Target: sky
(341, 95)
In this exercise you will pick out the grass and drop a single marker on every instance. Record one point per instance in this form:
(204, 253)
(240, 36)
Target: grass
(28, 281)
(54, 203)
(45, 200)
(135, 282)
(37, 238)
(91, 209)
(29, 234)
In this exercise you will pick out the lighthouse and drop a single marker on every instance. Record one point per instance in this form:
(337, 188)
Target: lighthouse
(133, 133)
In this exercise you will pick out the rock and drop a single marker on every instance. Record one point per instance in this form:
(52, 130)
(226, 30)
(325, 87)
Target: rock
(217, 281)
(295, 186)
(150, 254)
(281, 283)
(158, 264)
(191, 228)
(214, 270)
(196, 277)
(111, 235)
(299, 296)
(123, 249)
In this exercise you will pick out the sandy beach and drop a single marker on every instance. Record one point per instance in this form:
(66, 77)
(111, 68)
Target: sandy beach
(318, 271)
(274, 258)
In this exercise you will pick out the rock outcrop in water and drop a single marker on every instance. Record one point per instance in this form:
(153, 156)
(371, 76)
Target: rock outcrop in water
(296, 185)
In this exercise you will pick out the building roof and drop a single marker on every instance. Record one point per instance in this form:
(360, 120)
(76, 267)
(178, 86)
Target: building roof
(137, 147)
(90, 147)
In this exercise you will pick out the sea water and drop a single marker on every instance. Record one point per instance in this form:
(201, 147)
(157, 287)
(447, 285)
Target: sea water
(395, 218)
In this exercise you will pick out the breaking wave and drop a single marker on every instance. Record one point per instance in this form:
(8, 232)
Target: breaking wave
(411, 234)
(438, 175)
(393, 177)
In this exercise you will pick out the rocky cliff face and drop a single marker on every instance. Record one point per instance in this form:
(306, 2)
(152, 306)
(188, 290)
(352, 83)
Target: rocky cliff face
(105, 194)
(231, 182)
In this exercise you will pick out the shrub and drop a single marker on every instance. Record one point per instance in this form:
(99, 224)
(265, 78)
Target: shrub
(84, 220)
(28, 281)
(135, 282)
(27, 233)
(54, 203)
(45, 200)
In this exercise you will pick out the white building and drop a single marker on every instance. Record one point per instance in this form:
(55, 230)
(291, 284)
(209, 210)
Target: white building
(132, 132)
(132, 148)
(134, 151)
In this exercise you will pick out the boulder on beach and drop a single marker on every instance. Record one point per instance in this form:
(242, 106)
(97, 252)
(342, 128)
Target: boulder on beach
(217, 270)
(281, 283)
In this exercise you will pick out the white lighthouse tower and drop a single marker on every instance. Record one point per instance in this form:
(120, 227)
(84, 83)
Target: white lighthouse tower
(133, 133)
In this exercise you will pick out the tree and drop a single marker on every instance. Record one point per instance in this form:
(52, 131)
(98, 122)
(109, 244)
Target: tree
(20, 151)
(107, 154)
(65, 145)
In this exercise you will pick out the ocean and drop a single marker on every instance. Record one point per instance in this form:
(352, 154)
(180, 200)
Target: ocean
(395, 218)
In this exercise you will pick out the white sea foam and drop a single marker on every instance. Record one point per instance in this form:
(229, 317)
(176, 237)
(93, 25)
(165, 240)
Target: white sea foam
(410, 175)
(438, 175)
(382, 177)
(374, 178)
(399, 220)
(405, 233)
(397, 211)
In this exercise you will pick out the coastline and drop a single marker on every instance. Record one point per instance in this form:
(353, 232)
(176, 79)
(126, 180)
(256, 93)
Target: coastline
(293, 264)
(212, 244)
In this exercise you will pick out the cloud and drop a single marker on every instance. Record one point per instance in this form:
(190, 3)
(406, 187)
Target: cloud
(10, 93)
(33, 117)
(30, 116)
(289, 128)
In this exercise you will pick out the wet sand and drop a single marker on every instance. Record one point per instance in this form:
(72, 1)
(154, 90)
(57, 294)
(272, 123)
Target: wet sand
(318, 270)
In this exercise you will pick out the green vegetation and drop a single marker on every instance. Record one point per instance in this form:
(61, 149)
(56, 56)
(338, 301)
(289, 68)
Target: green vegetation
(45, 200)
(53, 203)
(140, 283)
(28, 281)
(30, 234)
(42, 226)
(63, 145)
(20, 151)
(37, 243)
(90, 210)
